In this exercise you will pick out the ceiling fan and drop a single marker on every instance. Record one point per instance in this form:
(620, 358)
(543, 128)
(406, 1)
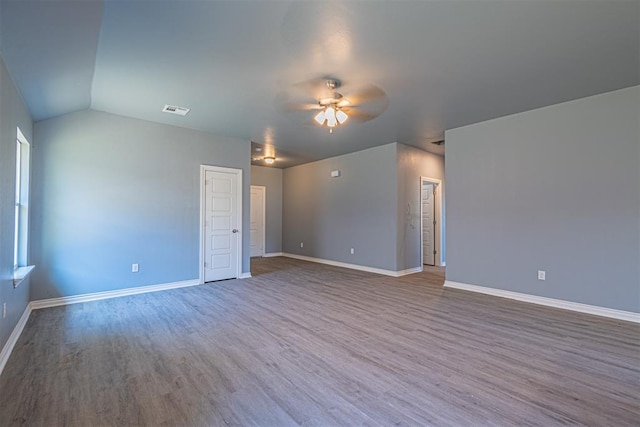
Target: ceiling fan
(360, 104)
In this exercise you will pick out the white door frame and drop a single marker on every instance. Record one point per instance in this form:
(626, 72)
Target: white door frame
(264, 216)
(238, 173)
(439, 230)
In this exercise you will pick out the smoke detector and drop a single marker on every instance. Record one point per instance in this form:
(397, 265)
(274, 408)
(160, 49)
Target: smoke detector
(174, 109)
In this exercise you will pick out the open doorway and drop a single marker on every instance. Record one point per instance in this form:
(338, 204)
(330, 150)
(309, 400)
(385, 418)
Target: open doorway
(431, 229)
(257, 220)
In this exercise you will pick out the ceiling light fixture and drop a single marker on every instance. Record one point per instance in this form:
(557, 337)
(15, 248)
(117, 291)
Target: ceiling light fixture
(332, 116)
(269, 160)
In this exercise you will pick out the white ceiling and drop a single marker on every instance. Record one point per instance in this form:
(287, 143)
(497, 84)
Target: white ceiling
(443, 64)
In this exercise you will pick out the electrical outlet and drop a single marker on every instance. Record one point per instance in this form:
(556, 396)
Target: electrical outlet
(352, 251)
(542, 275)
(134, 268)
(4, 310)
(302, 244)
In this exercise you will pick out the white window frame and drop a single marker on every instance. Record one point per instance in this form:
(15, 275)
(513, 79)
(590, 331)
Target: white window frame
(21, 210)
(17, 204)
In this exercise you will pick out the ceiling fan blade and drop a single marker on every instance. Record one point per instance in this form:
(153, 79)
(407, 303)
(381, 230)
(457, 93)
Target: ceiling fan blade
(315, 88)
(366, 95)
(358, 115)
(367, 104)
(290, 107)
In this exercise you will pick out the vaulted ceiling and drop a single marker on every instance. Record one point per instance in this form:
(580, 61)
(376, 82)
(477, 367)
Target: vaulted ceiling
(443, 64)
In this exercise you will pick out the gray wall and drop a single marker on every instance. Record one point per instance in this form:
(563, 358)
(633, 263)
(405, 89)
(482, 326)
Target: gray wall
(412, 164)
(271, 178)
(555, 189)
(13, 114)
(356, 210)
(109, 191)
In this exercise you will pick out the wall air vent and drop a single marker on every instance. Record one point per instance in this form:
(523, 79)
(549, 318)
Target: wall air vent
(173, 109)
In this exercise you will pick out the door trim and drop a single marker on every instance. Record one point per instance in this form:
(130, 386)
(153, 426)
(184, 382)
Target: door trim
(439, 230)
(264, 217)
(238, 173)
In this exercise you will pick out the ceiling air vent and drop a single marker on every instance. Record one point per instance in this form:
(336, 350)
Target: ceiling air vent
(173, 109)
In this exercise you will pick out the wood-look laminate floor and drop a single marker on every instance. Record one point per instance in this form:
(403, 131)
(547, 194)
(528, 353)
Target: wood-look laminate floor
(308, 344)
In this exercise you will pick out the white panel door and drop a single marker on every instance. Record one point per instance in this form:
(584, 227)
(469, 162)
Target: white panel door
(428, 226)
(221, 232)
(256, 223)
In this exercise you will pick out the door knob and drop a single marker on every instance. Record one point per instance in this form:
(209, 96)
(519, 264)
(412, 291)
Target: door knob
(235, 230)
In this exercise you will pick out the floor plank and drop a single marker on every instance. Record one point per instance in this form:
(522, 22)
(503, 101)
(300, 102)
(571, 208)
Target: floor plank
(308, 344)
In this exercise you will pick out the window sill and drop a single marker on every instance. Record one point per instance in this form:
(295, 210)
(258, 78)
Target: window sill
(21, 273)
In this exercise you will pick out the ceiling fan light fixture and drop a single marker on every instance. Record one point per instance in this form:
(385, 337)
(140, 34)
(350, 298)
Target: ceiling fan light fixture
(341, 116)
(320, 117)
(330, 114)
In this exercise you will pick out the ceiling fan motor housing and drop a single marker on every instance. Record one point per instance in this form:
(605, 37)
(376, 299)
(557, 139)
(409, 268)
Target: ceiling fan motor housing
(334, 99)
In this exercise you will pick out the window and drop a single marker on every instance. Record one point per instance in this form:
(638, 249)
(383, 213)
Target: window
(21, 202)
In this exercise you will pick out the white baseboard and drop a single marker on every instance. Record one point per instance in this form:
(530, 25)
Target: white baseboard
(13, 338)
(272, 254)
(550, 302)
(54, 302)
(246, 275)
(391, 273)
(401, 273)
